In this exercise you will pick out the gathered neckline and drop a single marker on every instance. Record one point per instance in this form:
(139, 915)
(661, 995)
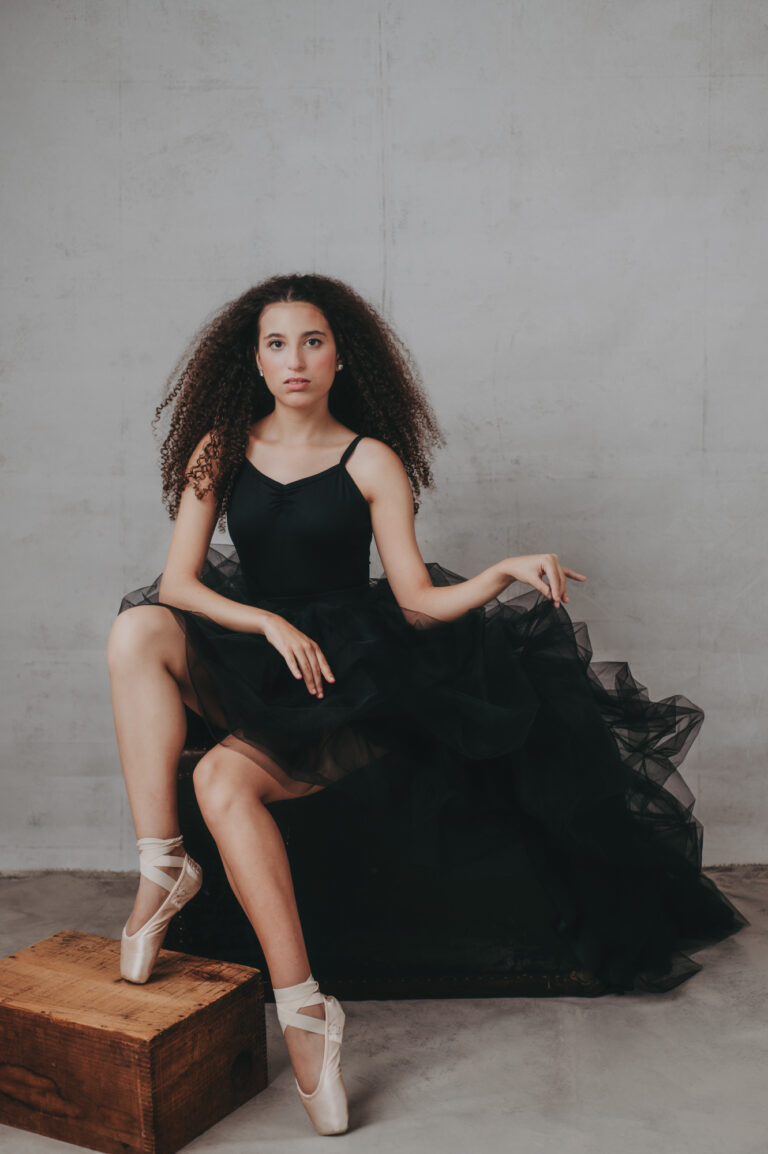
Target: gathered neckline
(287, 485)
(310, 476)
(297, 480)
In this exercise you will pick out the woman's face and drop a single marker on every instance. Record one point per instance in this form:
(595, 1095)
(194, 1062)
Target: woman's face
(296, 352)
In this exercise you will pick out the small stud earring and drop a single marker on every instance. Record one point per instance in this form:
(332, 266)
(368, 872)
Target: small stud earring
(339, 367)
(261, 373)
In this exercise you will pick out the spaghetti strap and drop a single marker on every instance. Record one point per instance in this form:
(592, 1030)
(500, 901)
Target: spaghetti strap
(350, 449)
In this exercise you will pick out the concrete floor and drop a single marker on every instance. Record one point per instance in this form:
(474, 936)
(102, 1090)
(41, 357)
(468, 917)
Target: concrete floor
(634, 1074)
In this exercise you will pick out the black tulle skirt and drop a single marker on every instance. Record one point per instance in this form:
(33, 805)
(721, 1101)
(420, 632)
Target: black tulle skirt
(461, 736)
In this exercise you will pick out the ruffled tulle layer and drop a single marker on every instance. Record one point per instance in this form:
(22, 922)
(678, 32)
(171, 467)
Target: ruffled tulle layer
(463, 736)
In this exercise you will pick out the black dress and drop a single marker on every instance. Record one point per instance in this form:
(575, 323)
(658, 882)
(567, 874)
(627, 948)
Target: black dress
(461, 735)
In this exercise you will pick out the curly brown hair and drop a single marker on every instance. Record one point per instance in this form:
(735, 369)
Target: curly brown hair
(217, 390)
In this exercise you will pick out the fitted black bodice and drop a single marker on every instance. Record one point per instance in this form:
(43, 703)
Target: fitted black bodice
(308, 536)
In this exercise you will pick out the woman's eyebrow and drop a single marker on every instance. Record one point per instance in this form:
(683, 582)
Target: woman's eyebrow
(309, 333)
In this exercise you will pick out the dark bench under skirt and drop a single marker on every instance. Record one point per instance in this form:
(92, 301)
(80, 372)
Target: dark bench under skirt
(386, 929)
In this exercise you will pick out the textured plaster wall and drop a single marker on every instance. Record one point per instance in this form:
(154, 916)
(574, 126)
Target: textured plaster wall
(562, 208)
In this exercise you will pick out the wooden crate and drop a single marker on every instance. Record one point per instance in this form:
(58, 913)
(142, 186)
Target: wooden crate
(91, 1059)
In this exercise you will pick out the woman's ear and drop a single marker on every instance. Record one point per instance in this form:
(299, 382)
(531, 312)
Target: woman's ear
(258, 362)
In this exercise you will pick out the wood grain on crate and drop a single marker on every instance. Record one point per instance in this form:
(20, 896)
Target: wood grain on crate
(89, 1058)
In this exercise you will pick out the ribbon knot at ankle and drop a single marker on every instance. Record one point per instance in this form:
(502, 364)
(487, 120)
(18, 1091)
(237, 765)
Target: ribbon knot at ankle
(153, 853)
(290, 999)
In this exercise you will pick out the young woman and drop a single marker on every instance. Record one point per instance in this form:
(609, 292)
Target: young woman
(298, 416)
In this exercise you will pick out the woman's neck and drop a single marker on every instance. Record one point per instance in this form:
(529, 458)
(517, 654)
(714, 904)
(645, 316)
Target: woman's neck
(287, 426)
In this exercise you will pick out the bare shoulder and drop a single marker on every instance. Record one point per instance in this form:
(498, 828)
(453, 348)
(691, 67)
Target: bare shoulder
(375, 467)
(376, 455)
(202, 454)
(202, 473)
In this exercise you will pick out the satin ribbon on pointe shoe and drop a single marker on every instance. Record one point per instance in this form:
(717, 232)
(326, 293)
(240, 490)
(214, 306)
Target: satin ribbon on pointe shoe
(327, 1104)
(139, 950)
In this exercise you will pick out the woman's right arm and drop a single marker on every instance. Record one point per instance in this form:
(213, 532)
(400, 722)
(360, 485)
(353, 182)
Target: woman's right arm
(181, 586)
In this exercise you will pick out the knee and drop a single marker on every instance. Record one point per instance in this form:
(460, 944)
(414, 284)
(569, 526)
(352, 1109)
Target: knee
(220, 785)
(134, 633)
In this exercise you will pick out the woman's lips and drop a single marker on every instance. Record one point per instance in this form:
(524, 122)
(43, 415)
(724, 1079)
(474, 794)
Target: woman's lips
(296, 383)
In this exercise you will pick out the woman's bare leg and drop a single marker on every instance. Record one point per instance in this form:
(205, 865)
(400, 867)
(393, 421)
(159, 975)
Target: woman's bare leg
(149, 684)
(233, 792)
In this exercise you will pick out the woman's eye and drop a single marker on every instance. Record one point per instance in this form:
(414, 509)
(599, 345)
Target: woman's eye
(273, 344)
(314, 341)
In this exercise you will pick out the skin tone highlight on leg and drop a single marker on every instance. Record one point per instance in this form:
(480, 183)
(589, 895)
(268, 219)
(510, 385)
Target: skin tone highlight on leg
(232, 791)
(146, 665)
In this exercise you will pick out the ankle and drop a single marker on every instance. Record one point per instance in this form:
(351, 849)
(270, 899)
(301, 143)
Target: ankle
(299, 1002)
(153, 845)
(313, 1011)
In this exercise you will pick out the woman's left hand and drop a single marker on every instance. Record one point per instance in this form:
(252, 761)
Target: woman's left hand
(533, 568)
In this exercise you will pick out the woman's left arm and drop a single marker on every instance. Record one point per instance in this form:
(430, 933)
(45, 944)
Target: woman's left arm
(381, 477)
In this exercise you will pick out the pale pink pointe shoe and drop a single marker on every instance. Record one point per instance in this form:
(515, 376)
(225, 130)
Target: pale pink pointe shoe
(327, 1104)
(139, 950)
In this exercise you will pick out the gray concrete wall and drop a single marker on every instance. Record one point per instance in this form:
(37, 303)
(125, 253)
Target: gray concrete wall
(561, 206)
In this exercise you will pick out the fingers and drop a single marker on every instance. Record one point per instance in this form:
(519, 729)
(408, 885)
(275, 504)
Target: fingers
(551, 566)
(302, 655)
(313, 665)
(557, 575)
(305, 665)
(325, 667)
(542, 587)
(308, 667)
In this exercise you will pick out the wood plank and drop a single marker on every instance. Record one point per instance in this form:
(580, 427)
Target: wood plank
(202, 1074)
(77, 978)
(74, 1083)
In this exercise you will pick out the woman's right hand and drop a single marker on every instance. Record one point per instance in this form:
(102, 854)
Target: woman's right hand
(303, 656)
